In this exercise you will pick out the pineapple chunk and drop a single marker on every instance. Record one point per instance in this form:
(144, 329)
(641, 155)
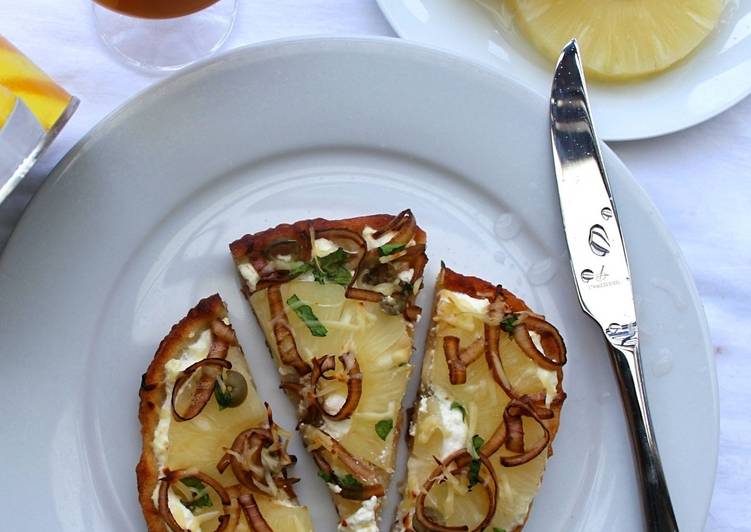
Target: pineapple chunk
(382, 346)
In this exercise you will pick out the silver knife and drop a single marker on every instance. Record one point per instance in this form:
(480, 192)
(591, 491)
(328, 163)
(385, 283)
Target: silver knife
(600, 268)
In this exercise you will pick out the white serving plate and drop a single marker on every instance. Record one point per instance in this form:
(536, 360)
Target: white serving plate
(132, 228)
(710, 81)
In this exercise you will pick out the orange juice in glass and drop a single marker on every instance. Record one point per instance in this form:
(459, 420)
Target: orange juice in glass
(164, 34)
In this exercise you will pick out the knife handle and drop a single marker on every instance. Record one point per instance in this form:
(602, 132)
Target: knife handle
(656, 498)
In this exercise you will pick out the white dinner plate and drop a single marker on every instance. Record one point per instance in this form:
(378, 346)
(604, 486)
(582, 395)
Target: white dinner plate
(711, 80)
(132, 228)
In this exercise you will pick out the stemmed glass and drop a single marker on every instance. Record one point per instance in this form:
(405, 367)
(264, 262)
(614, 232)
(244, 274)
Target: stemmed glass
(164, 35)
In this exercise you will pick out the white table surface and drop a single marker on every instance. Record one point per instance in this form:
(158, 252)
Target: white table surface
(700, 179)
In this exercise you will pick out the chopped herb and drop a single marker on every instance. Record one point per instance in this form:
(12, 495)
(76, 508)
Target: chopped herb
(331, 268)
(305, 313)
(477, 443)
(383, 428)
(328, 269)
(474, 466)
(496, 529)
(300, 268)
(327, 477)
(223, 395)
(390, 249)
(456, 405)
(349, 482)
(197, 488)
(408, 288)
(474, 473)
(509, 323)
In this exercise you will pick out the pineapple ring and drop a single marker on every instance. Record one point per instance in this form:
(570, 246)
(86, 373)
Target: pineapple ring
(620, 39)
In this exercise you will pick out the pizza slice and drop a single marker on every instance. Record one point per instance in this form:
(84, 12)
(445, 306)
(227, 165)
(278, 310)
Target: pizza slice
(213, 459)
(488, 409)
(336, 302)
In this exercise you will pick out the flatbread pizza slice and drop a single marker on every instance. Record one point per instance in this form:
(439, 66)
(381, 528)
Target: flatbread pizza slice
(336, 303)
(212, 458)
(487, 412)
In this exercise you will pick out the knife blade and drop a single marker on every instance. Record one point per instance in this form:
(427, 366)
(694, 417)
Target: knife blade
(600, 267)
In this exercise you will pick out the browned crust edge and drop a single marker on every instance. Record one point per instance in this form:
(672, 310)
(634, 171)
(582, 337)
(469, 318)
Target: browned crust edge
(250, 246)
(481, 289)
(152, 395)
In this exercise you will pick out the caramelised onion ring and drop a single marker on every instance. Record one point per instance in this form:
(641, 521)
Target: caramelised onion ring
(223, 332)
(245, 457)
(171, 477)
(493, 358)
(459, 359)
(364, 472)
(404, 255)
(285, 341)
(536, 401)
(361, 294)
(204, 388)
(510, 433)
(248, 444)
(515, 435)
(454, 463)
(361, 493)
(253, 513)
(321, 366)
(553, 353)
(403, 223)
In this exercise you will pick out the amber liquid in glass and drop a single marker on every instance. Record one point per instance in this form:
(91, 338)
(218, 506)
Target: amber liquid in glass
(156, 8)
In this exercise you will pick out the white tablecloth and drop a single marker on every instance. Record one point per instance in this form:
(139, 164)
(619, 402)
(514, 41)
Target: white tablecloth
(700, 179)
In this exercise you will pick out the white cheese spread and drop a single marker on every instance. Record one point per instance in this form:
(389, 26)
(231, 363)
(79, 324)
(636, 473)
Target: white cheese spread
(373, 243)
(250, 274)
(454, 427)
(323, 247)
(406, 275)
(363, 520)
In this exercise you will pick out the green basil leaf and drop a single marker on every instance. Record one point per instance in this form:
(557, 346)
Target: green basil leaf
(390, 249)
(336, 258)
(496, 529)
(327, 477)
(305, 313)
(332, 268)
(349, 482)
(474, 473)
(383, 428)
(456, 405)
(301, 268)
(509, 323)
(477, 442)
(204, 501)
